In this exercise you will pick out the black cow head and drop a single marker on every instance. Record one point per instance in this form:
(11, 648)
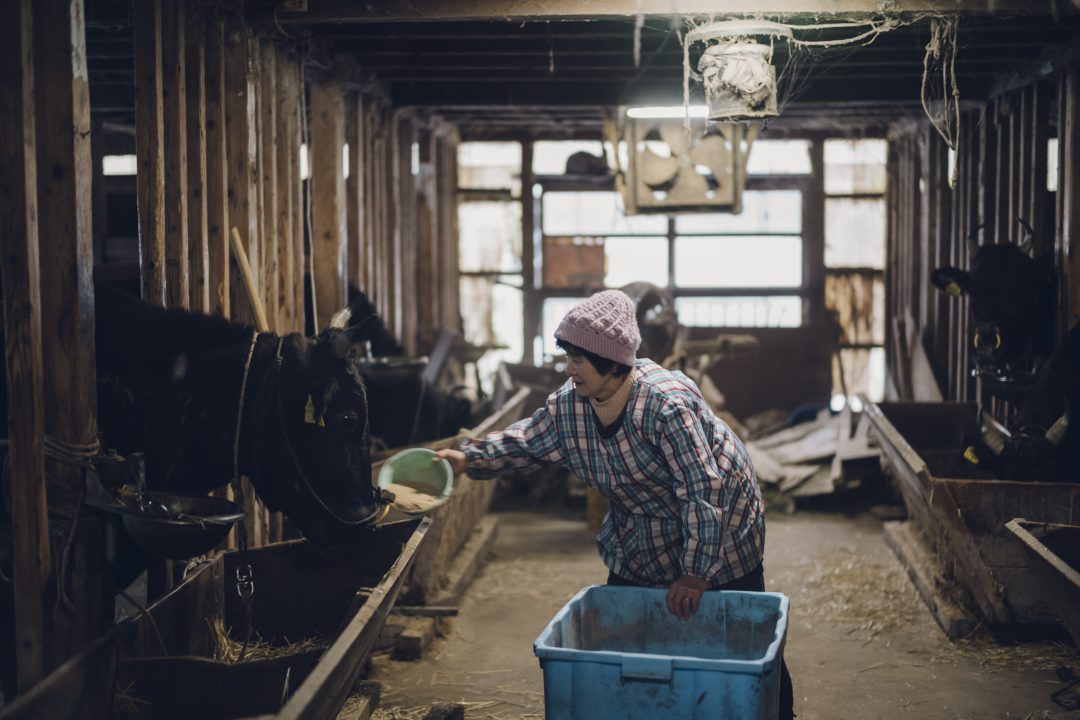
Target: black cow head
(1012, 301)
(312, 458)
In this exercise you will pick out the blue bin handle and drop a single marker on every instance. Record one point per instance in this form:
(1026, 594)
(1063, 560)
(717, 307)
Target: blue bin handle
(646, 668)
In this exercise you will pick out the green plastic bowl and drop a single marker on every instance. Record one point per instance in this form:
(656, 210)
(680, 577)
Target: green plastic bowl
(414, 468)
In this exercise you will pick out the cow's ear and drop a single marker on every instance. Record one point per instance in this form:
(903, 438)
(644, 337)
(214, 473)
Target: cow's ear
(951, 280)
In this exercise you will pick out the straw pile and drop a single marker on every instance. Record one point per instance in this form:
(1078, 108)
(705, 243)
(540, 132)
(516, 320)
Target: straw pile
(227, 649)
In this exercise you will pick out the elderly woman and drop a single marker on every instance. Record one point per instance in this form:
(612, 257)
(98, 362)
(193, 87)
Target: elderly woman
(685, 510)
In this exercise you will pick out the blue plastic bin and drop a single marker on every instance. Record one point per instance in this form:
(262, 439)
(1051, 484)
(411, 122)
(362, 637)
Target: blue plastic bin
(618, 652)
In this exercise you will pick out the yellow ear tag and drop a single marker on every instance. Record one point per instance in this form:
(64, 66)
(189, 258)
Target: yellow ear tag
(309, 412)
(971, 456)
(321, 423)
(953, 289)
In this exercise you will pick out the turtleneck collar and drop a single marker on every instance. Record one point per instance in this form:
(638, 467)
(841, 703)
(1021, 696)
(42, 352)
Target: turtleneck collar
(608, 411)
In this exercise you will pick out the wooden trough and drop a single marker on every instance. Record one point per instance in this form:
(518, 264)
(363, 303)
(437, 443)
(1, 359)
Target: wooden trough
(457, 537)
(1054, 550)
(160, 664)
(962, 516)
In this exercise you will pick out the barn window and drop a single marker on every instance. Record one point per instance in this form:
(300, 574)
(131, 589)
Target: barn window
(855, 216)
(118, 165)
(738, 261)
(779, 157)
(781, 311)
(490, 252)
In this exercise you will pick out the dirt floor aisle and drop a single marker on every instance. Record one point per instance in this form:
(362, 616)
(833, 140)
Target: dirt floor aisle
(860, 643)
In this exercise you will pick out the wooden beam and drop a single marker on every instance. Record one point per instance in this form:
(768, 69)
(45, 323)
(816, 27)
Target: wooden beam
(217, 166)
(174, 106)
(149, 134)
(288, 179)
(67, 307)
(1038, 137)
(345, 11)
(241, 146)
(1069, 188)
(198, 236)
(293, 89)
(328, 194)
(19, 265)
(269, 271)
(354, 186)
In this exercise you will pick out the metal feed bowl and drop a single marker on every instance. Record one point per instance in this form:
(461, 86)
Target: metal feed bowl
(194, 525)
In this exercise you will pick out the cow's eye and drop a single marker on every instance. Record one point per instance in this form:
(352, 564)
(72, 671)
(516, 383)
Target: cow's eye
(350, 422)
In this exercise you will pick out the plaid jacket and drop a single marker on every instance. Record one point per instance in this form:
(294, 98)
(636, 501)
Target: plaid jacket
(682, 492)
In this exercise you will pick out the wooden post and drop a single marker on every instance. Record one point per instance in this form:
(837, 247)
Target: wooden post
(288, 142)
(198, 239)
(370, 239)
(404, 230)
(268, 142)
(149, 134)
(31, 557)
(1039, 134)
(986, 187)
(67, 312)
(427, 249)
(174, 105)
(327, 185)
(1069, 190)
(355, 188)
(1003, 176)
(292, 90)
(217, 166)
(100, 209)
(240, 130)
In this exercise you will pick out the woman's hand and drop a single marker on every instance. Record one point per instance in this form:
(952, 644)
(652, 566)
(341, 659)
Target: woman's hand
(456, 458)
(684, 596)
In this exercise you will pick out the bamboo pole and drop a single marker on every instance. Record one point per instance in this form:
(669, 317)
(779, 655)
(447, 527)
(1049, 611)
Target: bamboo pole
(249, 282)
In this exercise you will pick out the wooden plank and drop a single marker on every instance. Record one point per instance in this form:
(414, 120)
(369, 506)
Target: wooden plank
(328, 194)
(174, 107)
(31, 557)
(1037, 137)
(81, 689)
(149, 136)
(355, 188)
(240, 54)
(326, 688)
(269, 270)
(65, 237)
(1069, 188)
(987, 174)
(217, 166)
(1060, 580)
(100, 209)
(468, 561)
(929, 578)
(288, 136)
(1002, 181)
(198, 237)
(370, 240)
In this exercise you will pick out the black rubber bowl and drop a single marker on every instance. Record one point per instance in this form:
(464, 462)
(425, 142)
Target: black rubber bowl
(194, 525)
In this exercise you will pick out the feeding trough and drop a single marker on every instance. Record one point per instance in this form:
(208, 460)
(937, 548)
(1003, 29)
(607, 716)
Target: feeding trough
(961, 512)
(1055, 553)
(177, 526)
(315, 616)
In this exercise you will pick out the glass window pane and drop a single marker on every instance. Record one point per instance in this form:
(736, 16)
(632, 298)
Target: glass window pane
(554, 310)
(490, 235)
(779, 157)
(573, 262)
(855, 166)
(864, 372)
(855, 232)
(734, 261)
(859, 302)
(595, 213)
(635, 259)
(490, 165)
(549, 156)
(776, 311)
(772, 211)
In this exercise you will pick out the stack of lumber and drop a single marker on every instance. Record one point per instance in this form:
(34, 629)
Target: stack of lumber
(819, 457)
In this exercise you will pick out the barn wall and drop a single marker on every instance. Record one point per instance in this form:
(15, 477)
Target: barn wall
(1000, 175)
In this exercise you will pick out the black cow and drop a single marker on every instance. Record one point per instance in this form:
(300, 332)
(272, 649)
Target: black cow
(169, 385)
(404, 409)
(1013, 298)
(1013, 302)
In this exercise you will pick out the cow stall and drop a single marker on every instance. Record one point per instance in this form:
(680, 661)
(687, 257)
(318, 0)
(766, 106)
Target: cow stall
(294, 651)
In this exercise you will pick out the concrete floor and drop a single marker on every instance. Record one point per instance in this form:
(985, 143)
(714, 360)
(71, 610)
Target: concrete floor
(860, 643)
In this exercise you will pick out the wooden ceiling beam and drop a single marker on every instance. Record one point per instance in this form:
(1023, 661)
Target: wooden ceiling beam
(349, 11)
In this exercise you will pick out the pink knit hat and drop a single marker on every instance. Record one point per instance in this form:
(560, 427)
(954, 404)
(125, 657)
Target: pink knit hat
(605, 324)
